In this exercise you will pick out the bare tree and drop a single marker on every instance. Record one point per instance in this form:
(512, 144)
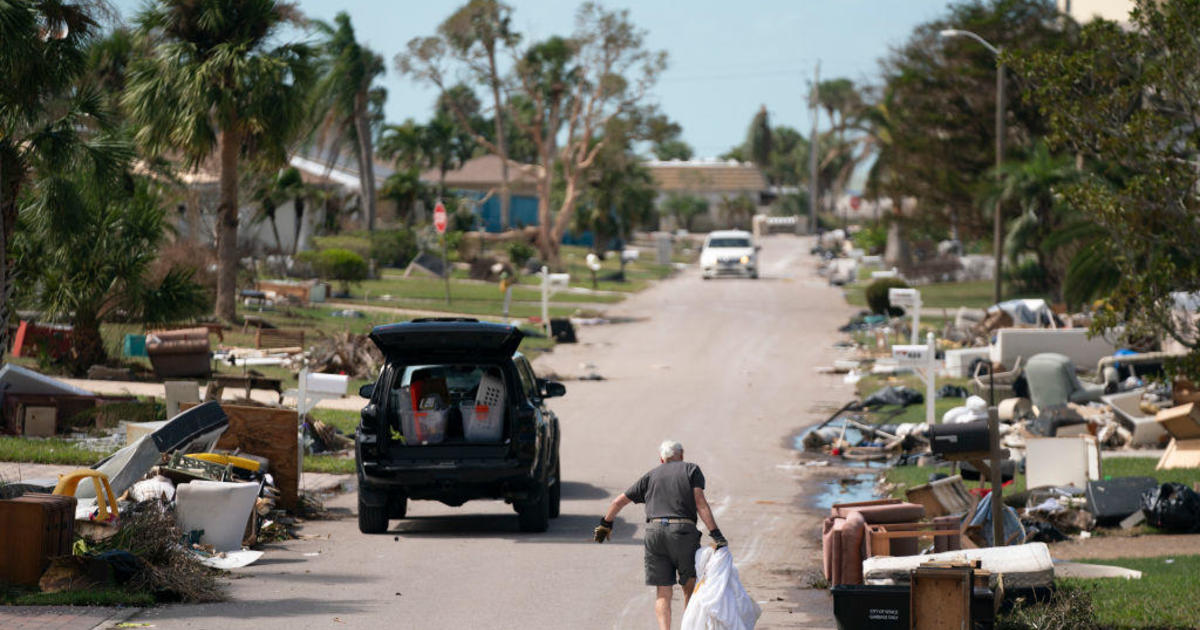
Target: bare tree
(572, 87)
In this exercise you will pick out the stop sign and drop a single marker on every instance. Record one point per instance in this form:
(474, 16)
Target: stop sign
(439, 218)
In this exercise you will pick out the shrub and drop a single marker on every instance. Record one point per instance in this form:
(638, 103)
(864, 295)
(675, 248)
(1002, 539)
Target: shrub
(358, 242)
(519, 253)
(877, 296)
(393, 248)
(342, 265)
(872, 238)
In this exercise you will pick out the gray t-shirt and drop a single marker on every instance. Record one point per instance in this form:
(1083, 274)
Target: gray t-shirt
(667, 490)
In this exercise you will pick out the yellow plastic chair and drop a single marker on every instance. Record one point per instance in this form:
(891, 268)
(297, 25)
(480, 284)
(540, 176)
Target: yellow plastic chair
(68, 483)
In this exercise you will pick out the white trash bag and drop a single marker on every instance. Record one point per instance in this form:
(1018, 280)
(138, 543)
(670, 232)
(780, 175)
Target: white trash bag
(720, 602)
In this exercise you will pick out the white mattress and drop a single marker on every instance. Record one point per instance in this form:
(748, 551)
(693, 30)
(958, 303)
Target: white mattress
(1023, 566)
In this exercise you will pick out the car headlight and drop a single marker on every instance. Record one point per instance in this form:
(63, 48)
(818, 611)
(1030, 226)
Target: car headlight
(745, 260)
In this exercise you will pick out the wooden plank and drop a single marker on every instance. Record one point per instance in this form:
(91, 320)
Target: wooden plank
(267, 432)
(941, 598)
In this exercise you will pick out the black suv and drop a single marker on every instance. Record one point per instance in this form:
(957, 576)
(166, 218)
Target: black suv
(457, 414)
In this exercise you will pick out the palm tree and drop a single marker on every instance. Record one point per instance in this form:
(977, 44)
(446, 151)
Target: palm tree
(346, 101)
(49, 126)
(214, 82)
(101, 267)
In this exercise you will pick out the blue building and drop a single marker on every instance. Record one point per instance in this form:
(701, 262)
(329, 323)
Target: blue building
(479, 179)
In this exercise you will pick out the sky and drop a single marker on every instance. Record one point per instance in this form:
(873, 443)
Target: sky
(726, 57)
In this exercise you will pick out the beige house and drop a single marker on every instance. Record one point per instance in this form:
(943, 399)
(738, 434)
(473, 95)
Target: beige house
(716, 181)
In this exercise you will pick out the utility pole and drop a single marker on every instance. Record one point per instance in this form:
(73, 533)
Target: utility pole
(813, 147)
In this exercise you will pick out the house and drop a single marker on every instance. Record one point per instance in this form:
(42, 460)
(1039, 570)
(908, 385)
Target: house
(479, 180)
(716, 181)
(1084, 11)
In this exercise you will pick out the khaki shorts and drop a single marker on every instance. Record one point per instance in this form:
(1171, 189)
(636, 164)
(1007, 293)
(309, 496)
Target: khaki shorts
(670, 550)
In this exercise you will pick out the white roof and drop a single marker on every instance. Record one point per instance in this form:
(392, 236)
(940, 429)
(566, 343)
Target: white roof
(729, 233)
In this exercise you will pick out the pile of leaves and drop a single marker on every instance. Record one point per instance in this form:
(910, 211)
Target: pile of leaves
(348, 353)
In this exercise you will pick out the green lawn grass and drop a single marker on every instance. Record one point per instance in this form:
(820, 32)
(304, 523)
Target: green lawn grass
(90, 597)
(937, 295)
(332, 464)
(47, 451)
(905, 477)
(1165, 597)
(344, 421)
(912, 413)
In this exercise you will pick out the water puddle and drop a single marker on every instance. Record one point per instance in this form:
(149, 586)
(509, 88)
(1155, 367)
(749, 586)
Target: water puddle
(859, 487)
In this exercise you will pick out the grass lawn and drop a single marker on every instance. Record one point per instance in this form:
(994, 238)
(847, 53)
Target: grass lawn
(1165, 597)
(46, 451)
(938, 295)
(912, 413)
(90, 597)
(344, 421)
(329, 464)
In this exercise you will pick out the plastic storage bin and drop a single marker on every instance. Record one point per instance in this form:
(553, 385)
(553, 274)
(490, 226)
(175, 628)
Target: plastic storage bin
(482, 423)
(423, 427)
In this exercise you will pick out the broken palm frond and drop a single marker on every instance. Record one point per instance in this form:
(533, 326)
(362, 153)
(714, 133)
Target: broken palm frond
(346, 352)
(168, 569)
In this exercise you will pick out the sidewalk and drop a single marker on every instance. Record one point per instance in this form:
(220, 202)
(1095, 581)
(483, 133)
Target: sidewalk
(62, 617)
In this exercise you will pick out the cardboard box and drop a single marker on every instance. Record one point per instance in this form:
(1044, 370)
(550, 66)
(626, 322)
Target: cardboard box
(40, 421)
(1183, 392)
(1180, 454)
(1182, 422)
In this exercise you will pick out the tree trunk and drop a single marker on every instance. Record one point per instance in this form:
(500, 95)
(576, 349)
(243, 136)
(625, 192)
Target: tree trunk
(87, 344)
(298, 206)
(545, 243)
(366, 172)
(896, 252)
(8, 220)
(227, 226)
(501, 142)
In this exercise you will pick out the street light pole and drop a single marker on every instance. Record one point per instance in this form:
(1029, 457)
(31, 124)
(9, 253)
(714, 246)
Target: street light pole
(997, 218)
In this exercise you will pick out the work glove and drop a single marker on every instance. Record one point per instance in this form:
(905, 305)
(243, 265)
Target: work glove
(603, 531)
(718, 539)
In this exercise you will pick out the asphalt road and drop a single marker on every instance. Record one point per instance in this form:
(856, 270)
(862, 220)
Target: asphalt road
(724, 366)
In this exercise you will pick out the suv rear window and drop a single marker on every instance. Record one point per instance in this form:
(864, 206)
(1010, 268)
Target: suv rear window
(435, 404)
(729, 242)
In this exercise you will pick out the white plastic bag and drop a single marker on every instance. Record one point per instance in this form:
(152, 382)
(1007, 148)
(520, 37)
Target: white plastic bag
(719, 601)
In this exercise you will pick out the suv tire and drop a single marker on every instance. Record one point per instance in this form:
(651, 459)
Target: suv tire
(397, 505)
(555, 492)
(372, 511)
(533, 515)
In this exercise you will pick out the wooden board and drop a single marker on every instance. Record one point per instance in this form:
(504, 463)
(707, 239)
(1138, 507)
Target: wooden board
(1180, 454)
(1182, 422)
(941, 598)
(267, 432)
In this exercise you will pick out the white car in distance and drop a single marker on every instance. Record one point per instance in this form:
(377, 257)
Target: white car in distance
(729, 253)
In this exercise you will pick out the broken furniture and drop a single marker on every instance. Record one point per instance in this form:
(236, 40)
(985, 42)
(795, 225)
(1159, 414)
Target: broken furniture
(844, 535)
(180, 391)
(279, 339)
(1180, 454)
(997, 385)
(1053, 382)
(892, 539)
(977, 443)
(302, 291)
(942, 497)
(37, 527)
(950, 596)
(105, 499)
(959, 361)
(180, 353)
(249, 382)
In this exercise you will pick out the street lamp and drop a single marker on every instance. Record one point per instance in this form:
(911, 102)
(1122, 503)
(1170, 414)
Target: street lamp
(997, 224)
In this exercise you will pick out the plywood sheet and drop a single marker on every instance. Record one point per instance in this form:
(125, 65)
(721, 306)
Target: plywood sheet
(266, 432)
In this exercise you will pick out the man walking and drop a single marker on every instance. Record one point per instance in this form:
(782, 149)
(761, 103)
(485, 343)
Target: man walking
(674, 495)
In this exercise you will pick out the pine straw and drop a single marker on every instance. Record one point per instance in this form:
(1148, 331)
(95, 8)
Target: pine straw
(169, 571)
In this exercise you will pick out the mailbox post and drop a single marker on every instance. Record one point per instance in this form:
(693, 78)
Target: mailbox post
(922, 358)
(551, 282)
(910, 299)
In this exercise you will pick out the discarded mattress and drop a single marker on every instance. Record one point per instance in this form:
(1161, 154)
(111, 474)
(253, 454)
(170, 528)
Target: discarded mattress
(1023, 566)
(15, 379)
(219, 509)
(1082, 570)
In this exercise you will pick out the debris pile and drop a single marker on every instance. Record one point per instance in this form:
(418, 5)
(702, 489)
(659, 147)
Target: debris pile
(346, 353)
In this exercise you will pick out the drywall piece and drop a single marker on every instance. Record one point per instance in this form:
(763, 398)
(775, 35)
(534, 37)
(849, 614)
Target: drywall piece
(180, 392)
(1126, 407)
(1180, 454)
(217, 508)
(1082, 570)
(1023, 566)
(1073, 342)
(15, 379)
(124, 468)
(1070, 461)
